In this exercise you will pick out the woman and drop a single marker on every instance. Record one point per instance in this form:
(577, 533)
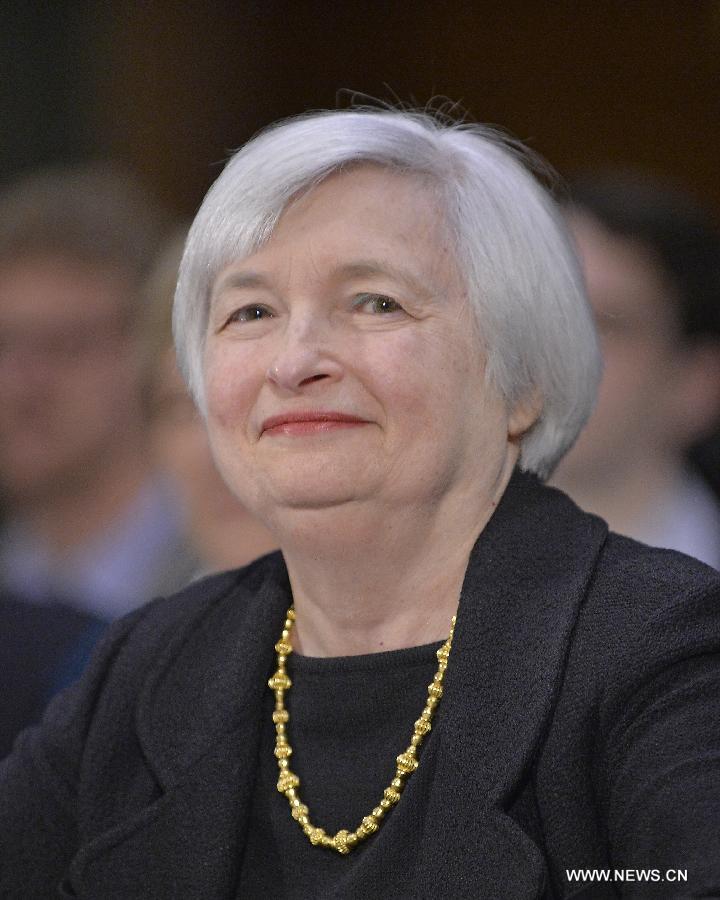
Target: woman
(384, 327)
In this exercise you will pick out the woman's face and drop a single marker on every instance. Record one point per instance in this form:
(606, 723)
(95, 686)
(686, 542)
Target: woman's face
(341, 363)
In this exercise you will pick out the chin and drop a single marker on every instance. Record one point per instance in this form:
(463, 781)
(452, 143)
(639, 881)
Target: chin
(316, 490)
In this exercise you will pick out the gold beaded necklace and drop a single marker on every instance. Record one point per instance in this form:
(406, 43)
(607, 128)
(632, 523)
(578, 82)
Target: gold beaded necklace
(288, 782)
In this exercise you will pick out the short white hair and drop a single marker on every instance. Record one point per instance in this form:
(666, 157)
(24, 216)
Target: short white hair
(521, 272)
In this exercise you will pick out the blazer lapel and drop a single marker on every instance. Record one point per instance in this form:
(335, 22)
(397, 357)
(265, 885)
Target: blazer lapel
(198, 724)
(525, 583)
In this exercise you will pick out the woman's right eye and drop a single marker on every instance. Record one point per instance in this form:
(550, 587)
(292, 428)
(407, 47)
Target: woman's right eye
(252, 313)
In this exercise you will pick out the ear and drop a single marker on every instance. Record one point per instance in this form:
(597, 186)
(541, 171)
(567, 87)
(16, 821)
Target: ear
(524, 414)
(696, 391)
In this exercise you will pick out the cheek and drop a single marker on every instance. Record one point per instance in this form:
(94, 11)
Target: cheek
(232, 381)
(433, 379)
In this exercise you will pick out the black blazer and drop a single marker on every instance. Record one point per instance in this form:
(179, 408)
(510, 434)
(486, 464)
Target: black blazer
(579, 729)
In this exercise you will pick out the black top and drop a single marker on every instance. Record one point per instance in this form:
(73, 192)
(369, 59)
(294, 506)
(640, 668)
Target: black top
(579, 729)
(350, 717)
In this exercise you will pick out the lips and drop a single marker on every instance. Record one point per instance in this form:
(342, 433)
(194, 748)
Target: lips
(309, 422)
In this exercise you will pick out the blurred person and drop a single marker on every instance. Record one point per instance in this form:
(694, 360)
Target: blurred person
(221, 532)
(652, 265)
(88, 519)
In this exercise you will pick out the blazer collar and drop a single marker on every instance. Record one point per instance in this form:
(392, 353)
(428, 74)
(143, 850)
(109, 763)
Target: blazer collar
(198, 725)
(524, 587)
(525, 583)
(213, 678)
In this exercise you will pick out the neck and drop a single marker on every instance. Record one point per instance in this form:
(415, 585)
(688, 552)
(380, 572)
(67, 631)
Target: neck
(626, 497)
(395, 583)
(77, 513)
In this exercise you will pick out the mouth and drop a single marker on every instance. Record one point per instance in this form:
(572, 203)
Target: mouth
(307, 422)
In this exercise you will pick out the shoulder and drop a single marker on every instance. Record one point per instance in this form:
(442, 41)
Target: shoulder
(646, 611)
(634, 584)
(135, 648)
(171, 619)
(176, 611)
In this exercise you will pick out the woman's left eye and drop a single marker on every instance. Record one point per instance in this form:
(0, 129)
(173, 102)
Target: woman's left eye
(377, 304)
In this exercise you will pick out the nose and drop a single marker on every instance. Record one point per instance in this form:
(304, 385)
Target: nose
(304, 356)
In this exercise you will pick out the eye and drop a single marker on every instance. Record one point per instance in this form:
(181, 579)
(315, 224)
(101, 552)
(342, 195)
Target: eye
(376, 304)
(252, 313)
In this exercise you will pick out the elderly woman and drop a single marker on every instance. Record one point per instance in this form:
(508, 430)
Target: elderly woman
(451, 682)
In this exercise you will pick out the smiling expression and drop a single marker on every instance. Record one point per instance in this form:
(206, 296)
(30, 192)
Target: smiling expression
(341, 360)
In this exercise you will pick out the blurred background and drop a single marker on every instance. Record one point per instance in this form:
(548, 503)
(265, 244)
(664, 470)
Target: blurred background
(168, 88)
(108, 495)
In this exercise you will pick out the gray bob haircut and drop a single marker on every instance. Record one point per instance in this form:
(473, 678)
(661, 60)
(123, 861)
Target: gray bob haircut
(522, 276)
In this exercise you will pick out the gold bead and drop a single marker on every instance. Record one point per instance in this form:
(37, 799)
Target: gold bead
(291, 614)
(288, 781)
(443, 653)
(298, 812)
(398, 784)
(391, 795)
(438, 677)
(422, 726)
(283, 763)
(435, 690)
(280, 715)
(416, 740)
(283, 647)
(378, 812)
(282, 751)
(406, 762)
(280, 681)
(340, 841)
(305, 822)
(316, 835)
(369, 825)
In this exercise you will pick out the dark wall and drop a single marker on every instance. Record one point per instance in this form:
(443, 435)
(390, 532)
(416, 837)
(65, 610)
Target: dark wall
(171, 87)
(46, 83)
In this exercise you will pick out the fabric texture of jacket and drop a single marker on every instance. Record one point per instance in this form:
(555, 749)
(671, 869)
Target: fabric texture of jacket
(580, 729)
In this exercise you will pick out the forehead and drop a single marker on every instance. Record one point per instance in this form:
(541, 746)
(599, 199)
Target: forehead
(365, 215)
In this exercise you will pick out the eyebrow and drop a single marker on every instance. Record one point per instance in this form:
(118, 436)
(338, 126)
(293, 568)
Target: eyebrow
(236, 280)
(364, 268)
